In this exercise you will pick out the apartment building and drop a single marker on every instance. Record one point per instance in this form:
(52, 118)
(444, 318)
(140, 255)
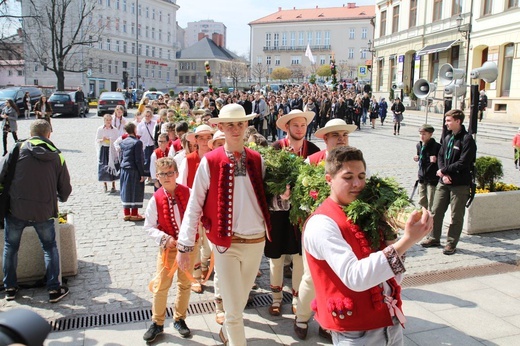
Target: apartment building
(280, 39)
(135, 47)
(208, 27)
(413, 39)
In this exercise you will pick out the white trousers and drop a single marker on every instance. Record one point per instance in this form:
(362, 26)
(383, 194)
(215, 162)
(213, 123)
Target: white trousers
(276, 276)
(306, 293)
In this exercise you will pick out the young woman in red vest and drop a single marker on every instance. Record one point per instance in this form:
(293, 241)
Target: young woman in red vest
(357, 290)
(229, 176)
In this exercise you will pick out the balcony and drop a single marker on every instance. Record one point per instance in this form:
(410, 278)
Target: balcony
(318, 48)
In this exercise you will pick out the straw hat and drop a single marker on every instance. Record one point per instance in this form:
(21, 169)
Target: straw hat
(200, 130)
(295, 113)
(199, 111)
(232, 113)
(216, 136)
(335, 125)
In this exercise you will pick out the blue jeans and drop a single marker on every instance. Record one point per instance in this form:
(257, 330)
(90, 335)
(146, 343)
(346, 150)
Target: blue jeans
(13, 234)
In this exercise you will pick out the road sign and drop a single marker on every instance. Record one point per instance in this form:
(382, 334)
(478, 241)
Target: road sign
(362, 70)
(89, 72)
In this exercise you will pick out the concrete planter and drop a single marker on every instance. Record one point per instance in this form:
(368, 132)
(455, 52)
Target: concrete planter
(31, 266)
(493, 212)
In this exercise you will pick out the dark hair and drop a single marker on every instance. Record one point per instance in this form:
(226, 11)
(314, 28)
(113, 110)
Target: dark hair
(182, 126)
(456, 114)
(130, 128)
(13, 105)
(338, 156)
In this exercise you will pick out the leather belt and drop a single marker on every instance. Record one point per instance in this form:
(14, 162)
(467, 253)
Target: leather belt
(235, 239)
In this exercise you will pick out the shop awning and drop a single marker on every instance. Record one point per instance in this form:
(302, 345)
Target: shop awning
(435, 48)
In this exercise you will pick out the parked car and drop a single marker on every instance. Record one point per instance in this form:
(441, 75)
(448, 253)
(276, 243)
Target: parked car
(152, 95)
(16, 94)
(63, 102)
(108, 101)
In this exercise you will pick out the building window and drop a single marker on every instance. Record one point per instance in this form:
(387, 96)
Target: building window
(153, 13)
(139, 12)
(117, 45)
(117, 4)
(160, 34)
(147, 50)
(309, 38)
(132, 8)
(507, 69)
(268, 60)
(393, 70)
(169, 54)
(268, 39)
(363, 54)
(140, 49)
(10, 72)
(108, 25)
(108, 3)
(318, 38)
(512, 3)
(147, 12)
(109, 66)
(117, 24)
(169, 37)
(115, 67)
(124, 5)
(434, 65)
(327, 38)
(382, 31)
(153, 33)
(132, 29)
(395, 20)
(124, 46)
(276, 39)
(456, 7)
(437, 10)
(380, 67)
(277, 60)
(160, 53)
(153, 51)
(352, 34)
(413, 13)
(488, 7)
(100, 65)
(160, 16)
(296, 60)
(351, 53)
(147, 31)
(301, 38)
(124, 26)
(20, 73)
(322, 60)
(454, 57)
(364, 33)
(100, 43)
(259, 59)
(293, 38)
(169, 18)
(284, 39)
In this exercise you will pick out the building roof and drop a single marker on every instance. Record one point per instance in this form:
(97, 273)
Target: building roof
(318, 14)
(206, 49)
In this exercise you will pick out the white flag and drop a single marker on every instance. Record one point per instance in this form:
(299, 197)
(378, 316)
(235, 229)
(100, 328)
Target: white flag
(309, 55)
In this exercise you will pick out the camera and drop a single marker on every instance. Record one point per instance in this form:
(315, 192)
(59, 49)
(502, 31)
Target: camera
(20, 326)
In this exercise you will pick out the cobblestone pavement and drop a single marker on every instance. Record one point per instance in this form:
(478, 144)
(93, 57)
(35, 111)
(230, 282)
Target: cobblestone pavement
(117, 260)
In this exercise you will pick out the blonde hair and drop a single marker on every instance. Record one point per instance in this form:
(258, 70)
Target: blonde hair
(165, 162)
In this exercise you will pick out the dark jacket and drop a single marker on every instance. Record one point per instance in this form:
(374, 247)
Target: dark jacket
(427, 169)
(132, 155)
(461, 159)
(41, 178)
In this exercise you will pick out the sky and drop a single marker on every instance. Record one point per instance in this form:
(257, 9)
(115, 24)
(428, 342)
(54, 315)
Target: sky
(237, 14)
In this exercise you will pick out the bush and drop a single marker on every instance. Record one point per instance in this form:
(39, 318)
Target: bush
(152, 89)
(200, 89)
(171, 92)
(488, 171)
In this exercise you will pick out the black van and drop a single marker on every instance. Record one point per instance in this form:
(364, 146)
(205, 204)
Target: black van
(16, 94)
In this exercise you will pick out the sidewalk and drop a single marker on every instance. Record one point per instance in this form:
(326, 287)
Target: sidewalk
(477, 311)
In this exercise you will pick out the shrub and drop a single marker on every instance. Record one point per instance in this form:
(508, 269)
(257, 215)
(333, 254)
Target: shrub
(171, 92)
(200, 89)
(152, 89)
(488, 171)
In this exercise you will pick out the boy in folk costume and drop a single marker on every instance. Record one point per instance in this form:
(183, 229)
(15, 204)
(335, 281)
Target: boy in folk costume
(229, 176)
(286, 237)
(357, 290)
(162, 151)
(164, 214)
(187, 170)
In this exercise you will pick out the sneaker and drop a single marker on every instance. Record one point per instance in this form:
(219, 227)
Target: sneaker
(152, 332)
(430, 242)
(57, 295)
(182, 328)
(10, 293)
(449, 249)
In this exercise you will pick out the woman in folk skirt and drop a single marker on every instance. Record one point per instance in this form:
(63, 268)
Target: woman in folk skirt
(132, 174)
(108, 160)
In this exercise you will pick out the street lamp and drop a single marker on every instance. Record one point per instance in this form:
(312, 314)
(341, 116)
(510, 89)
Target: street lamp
(372, 51)
(464, 30)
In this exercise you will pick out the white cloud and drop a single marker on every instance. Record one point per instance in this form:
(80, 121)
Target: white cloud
(237, 14)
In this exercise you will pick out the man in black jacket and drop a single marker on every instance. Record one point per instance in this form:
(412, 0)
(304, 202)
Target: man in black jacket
(427, 151)
(41, 178)
(455, 159)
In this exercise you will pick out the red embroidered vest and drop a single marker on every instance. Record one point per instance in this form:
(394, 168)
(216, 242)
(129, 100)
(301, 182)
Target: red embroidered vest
(160, 154)
(177, 145)
(218, 206)
(337, 307)
(182, 195)
(316, 158)
(193, 161)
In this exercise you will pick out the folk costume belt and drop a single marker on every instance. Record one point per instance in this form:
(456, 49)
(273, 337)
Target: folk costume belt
(235, 239)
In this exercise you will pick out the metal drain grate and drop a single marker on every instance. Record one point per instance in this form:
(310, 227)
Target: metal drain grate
(459, 273)
(198, 308)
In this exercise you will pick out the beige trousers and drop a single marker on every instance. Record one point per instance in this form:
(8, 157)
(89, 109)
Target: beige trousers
(182, 296)
(306, 293)
(237, 269)
(276, 276)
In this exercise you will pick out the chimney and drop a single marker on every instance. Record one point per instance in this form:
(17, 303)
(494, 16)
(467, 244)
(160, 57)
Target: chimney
(351, 5)
(218, 39)
(20, 32)
(201, 35)
(279, 9)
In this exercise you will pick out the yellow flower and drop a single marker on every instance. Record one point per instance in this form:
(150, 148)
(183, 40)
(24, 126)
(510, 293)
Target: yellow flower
(306, 181)
(322, 164)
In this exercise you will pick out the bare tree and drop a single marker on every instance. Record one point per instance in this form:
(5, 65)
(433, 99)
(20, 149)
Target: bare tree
(298, 72)
(343, 69)
(11, 46)
(56, 33)
(236, 70)
(259, 71)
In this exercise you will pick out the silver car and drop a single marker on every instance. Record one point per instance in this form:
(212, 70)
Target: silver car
(108, 101)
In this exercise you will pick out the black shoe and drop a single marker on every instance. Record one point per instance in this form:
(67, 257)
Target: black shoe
(57, 295)
(182, 328)
(10, 293)
(431, 242)
(325, 334)
(152, 332)
(301, 333)
(449, 249)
